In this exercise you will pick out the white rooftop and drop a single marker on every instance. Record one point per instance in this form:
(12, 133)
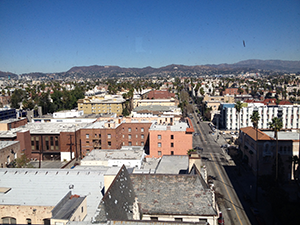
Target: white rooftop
(177, 126)
(284, 135)
(46, 187)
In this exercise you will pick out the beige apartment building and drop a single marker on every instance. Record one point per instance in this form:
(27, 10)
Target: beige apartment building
(102, 104)
(225, 98)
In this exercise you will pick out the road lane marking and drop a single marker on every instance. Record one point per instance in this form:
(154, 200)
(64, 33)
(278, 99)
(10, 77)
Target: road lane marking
(226, 189)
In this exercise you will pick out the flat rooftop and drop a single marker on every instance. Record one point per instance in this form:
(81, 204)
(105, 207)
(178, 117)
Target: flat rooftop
(134, 153)
(173, 164)
(46, 187)
(11, 120)
(283, 135)
(177, 126)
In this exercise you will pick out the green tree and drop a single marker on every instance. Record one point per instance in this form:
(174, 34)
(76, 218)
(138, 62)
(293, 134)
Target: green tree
(17, 97)
(276, 126)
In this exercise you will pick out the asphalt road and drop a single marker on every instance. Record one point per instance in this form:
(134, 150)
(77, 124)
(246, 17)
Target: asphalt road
(217, 162)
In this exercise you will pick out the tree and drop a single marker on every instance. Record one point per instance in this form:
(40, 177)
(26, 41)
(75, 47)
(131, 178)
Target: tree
(276, 125)
(125, 112)
(238, 106)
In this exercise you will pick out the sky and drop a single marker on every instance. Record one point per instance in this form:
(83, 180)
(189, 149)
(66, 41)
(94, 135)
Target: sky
(55, 35)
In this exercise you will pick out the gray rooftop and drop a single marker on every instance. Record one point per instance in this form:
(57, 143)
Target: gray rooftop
(11, 120)
(283, 135)
(173, 164)
(4, 144)
(159, 108)
(133, 153)
(172, 194)
(46, 187)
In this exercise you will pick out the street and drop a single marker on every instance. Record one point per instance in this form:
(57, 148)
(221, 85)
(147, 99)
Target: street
(218, 162)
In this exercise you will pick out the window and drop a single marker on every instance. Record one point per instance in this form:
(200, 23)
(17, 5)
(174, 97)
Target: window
(172, 145)
(123, 136)
(142, 143)
(82, 209)
(9, 220)
(159, 144)
(172, 152)
(178, 219)
(87, 142)
(142, 136)
(129, 136)
(109, 144)
(129, 143)
(28, 221)
(154, 218)
(136, 136)
(109, 136)
(87, 136)
(159, 152)
(172, 136)
(136, 129)
(142, 129)
(129, 129)
(47, 143)
(159, 136)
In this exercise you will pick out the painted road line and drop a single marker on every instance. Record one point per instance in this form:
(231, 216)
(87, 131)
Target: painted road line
(226, 188)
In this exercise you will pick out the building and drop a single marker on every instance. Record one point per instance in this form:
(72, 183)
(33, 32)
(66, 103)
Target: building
(156, 110)
(6, 113)
(224, 99)
(170, 139)
(158, 197)
(265, 142)
(38, 196)
(101, 104)
(68, 114)
(130, 156)
(162, 102)
(9, 151)
(156, 94)
(229, 116)
(12, 123)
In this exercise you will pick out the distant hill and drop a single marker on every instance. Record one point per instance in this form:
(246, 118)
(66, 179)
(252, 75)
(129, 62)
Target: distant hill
(273, 65)
(252, 65)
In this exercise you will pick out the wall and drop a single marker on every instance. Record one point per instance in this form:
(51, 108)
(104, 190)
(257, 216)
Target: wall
(22, 212)
(6, 152)
(182, 142)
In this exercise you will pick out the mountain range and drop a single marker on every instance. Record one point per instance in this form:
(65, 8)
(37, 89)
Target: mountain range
(252, 65)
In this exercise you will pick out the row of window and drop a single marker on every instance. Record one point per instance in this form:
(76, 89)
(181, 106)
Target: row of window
(159, 152)
(160, 145)
(159, 137)
(49, 143)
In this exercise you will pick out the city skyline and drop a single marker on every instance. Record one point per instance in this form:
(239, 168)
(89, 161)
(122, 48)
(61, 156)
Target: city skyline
(54, 36)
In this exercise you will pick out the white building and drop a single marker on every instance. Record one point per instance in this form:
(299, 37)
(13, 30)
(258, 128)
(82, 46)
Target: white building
(229, 116)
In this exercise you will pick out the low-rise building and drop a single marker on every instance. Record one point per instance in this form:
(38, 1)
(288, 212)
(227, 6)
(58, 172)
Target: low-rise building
(102, 104)
(9, 151)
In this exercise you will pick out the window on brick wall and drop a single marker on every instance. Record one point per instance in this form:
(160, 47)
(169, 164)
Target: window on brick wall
(159, 152)
(129, 136)
(129, 143)
(87, 136)
(142, 129)
(142, 136)
(172, 136)
(109, 136)
(109, 144)
(172, 145)
(129, 129)
(172, 152)
(159, 137)
(159, 144)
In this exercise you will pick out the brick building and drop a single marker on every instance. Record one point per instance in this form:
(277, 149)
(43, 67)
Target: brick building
(155, 94)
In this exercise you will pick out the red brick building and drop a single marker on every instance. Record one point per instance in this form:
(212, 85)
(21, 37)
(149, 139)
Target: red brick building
(155, 94)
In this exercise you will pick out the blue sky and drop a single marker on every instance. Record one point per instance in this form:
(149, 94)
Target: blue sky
(55, 35)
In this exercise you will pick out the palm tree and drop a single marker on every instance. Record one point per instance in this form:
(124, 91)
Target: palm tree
(238, 106)
(254, 119)
(276, 125)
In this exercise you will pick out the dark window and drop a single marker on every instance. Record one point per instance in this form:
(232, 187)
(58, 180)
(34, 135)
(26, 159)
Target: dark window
(51, 141)
(154, 218)
(172, 136)
(9, 220)
(178, 219)
(172, 145)
(109, 144)
(172, 152)
(37, 146)
(28, 221)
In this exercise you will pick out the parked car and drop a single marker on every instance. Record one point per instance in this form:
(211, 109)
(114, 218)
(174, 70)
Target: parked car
(232, 133)
(196, 134)
(198, 148)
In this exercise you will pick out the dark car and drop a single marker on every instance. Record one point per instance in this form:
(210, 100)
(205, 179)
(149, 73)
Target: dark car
(198, 148)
